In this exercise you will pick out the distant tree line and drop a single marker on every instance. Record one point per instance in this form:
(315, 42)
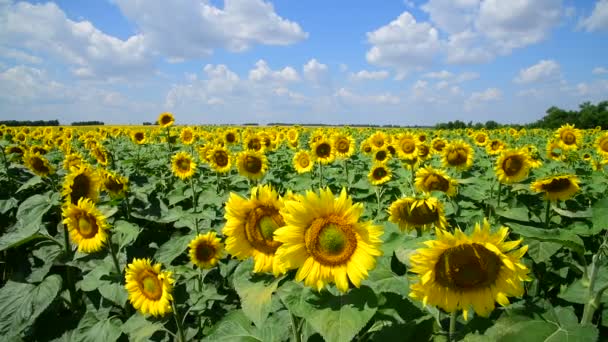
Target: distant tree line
(30, 123)
(149, 123)
(87, 123)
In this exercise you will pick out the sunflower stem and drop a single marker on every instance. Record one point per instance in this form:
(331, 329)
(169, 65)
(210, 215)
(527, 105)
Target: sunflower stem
(127, 205)
(346, 173)
(113, 253)
(194, 204)
(178, 322)
(547, 214)
(68, 269)
(499, 193)
(452, 330)
(592, 298)
(320, 175)
(6, 165)
(218, 182)
(295, 328)
(378, 197)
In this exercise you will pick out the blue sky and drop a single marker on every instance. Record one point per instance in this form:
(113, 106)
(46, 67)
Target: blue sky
(235, 61)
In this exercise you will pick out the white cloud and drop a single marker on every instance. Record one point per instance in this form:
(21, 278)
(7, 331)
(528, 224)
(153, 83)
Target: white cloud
(478, 98)
(354, 99)
(543, 71)
(262, 73)
(600, 71)
(194, 28)
(365, 75)
(452, 16)
(315, 71)
(19, 56)
(468, 47)
(403, 44)
(446, 75)
(442, 75)
(598, 20)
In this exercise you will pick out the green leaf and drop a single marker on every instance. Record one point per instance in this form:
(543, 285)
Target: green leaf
(578, 291)
(572, 214)
(541, 251)
(236, 327)
(93, 328)
(114, 292)
(126, 232)
(48, 254)
(8, 204)
(600, 214)
(29, 222)
(21, 304)
(173, 248)
(255, 292)
(139, 329)
(30, 183)
(518, 214)
(383, 279)
(557, 235)
(335, 317)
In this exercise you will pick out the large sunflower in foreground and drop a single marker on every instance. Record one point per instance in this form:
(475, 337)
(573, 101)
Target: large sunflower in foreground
(149, 288)
(166, 119)
(81, 182)
(219, 159)
(561, 187)
(252, 164)
(458, 155)
(411, 212)
(379, 174)
(205, 250)
(460, 272)
(37, 164)
(86, 225)
(325, 241)
(569, 138)
(303, 161)
(183, 165)
(512, 166)
(429, 179)
(250, 225)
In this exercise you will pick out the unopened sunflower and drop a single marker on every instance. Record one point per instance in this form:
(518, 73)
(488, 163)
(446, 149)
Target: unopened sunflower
(560, 187)
(250, 227)
(303, 162)
(149, 288)
(458, 155)
(37, 164)
(86, 225)
(182, 165)
(81, 182)
(379, 174)
(219, 159)
(460, 272)
(429, 179)
(205, 250)
(166, 119)
(251, 164)
(512, 166)
(422, 213)
(324, 239)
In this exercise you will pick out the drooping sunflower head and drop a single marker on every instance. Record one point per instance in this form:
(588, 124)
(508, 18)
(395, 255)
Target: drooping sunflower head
(429, 179)
(423, 213)
(481, 138)
(42, 150)
(252, 164)
(187, 136)
(303, 161)
(324, 239)
(250, 227)
(561, 187)
(114, 184)
(100, 154)
(205, 250)
(601, 144)
(38, 164)
(166, 119)
(219, 158)
(81, 182)
(379, 174)
(406, 146)
(494, 147)
(437, 145)
(569, 137)
(344, 144)
(458, 155)
(512, 166)
(381, 155)
(86, 225)
(149, 288)
(460, 272)
(324, 151)
(183, 165)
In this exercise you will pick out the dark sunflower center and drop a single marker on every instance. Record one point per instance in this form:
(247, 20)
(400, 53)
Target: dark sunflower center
(230, 137)
(458, 156)
(391, 149)
(422, 138)
(139, 136)
(439, 145)
(87, 226)
(150, 285)
(423, 151)
(330, 240)
(408, 146)
(304, 161)
(253, 164)
(187, 136)
(512, 165)
(165, 119)
(604, 144)
(16, 149)
(557, 185)
(205, 251)
(260, 226)
(254, 144)
(113, 185)
(379, 173)
(221, 158)
(495, 145)
(323, 150)
(436, 182)
(569, 138)
(378, 142)
(39, 166)
(467, 267)
(381, 155)
(81, 187)
(420, 215)
(367, 149)
(342, 146)
(183, 164)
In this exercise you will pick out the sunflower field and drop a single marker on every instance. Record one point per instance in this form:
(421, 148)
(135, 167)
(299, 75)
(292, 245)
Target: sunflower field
(189, 233)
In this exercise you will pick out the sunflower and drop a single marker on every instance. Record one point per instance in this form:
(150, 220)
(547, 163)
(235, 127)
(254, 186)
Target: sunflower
(481, 138)
(219, 159)
(101, 155)
(569, 137)
(205, 250)
(204, 150)
(183, 165)
(458, 155)
(381, 155)
(379, 174)
(81, 182)
(37, 164)
(457, 272)
(429, 179)
(494, 147)
(411, 212)
(16, 151)
(554, 150)
(561, 187)
(512, 166)
(231, 136)
(187, 136)
(344, 145)
(72, 160)
(254, 142)
(323, 151)
(114, 184)
(293, 135)
(138, 137)
(252, 164)
(366, 147)
(324, 239)
(437, 145)
(149, 288)
(86, 225)
(39, 149)
(165, 119)
(421, 137)
(534, 155)
(378, 139)
(601, 144)
(250, 225)
(303, 162)
(406, 146)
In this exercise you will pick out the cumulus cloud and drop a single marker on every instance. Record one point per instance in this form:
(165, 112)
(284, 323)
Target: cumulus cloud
(598, 20)
(262, 73)
(365, 75)
(452, 16)
(600, 71)
(316, 71)
(351, 98)
(449, 76)
(543, 71)
(480, 97)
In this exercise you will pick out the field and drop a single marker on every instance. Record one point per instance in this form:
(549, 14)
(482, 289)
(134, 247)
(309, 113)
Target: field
(184, 233)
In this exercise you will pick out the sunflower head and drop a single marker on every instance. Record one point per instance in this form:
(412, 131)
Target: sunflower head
(494, 147)
(569, 137)
(86, 225)
(460, 272)
(149, 288)
(101, 155)
(429, 179)
(166, 119)
(252, 164)
(324, 239)
(458, 155)
(411, 212)
(378, 139)
(81, 182)
(138, 137)
(555, 151)
(344, 145)
(219, 158)
(381, 155)
(303, 161)
(437, 145)
(187, 136)
(324, 151)
(183, 165)
(38, 164)
(406, 146)
(481, 138)
(366, 147)
(205, 250)
(561, 187)
(231, 136)
(512, 166)
(16, 151)
(379, 174)
(601, 144)
(72, 160)
(114, 184)
(254, 142)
